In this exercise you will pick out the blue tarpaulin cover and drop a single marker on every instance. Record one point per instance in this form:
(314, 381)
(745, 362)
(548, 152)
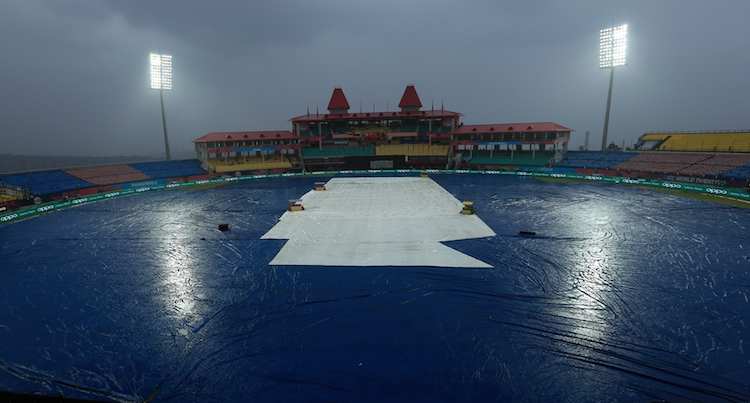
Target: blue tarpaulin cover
(625, 294)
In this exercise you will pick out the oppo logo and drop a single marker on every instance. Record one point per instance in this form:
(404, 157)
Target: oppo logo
(716, 191)
(8, 217)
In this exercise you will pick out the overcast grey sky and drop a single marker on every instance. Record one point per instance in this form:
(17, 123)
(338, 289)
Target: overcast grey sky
(74, 73)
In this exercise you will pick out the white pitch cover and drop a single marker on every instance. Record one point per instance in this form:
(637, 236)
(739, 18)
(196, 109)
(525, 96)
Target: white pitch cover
(377, 221)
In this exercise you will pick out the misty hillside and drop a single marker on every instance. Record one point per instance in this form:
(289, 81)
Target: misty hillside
(16, 163)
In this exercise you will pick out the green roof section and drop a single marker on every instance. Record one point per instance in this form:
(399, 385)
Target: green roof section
(326, 152)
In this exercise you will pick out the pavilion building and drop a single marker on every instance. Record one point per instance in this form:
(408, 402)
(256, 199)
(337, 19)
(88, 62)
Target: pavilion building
(410, 137)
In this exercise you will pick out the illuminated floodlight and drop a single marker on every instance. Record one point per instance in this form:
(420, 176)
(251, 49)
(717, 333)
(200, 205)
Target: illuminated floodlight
(613, 46)
(161, 71)
(161, 79)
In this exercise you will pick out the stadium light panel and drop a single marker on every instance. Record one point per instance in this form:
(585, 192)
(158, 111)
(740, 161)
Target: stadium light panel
(161, 71)
(613, 46)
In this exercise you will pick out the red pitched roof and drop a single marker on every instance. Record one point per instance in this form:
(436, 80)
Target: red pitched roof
(246, 136)
(338, 100)
(410, 98)
(527, 127)
(375, 115)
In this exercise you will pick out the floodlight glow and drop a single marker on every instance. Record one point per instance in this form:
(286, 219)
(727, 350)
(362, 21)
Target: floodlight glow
(613, 45)
(161, 71)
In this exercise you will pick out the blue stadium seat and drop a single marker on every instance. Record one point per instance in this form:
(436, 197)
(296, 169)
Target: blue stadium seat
(170, 169)
(742, 173)
(45, 182)
(595, 159)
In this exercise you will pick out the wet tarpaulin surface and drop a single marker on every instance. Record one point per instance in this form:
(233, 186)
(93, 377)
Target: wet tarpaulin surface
(625, 295)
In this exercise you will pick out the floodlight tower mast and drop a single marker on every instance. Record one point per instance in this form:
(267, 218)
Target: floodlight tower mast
(613, 44)
(161, 79)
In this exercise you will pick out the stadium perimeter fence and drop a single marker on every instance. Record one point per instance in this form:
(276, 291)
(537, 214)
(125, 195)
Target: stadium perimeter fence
(162, 184)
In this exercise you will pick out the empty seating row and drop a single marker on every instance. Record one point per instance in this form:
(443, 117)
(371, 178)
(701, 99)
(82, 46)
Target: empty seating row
(661, 162)
(688, 164)
(717, 142)
(591, 159)
(717, 164)
(170, 169)
(742, 173)
(344, 151)
(416, 150)
(49, 182)
(675, 158)
(249, 164)
(45, 182)
(504, 158)
(108, 174)
(706, 141)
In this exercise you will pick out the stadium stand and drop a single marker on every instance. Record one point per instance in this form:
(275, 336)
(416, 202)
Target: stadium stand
(717, 164)
(734, 166)
(108, 174)
(45, 182)
(416, 150)
(667, 163)
(650, 141)
(739, 173)
(689, 164)
(12, 193)
(726, 141)
(5, 198)
(592, 159)
(169, 169)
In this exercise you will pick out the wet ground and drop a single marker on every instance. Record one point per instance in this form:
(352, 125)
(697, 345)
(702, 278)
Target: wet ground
(624, 295)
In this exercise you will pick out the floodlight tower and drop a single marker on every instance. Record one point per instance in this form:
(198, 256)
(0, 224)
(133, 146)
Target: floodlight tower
(613, 45)
(161, 79)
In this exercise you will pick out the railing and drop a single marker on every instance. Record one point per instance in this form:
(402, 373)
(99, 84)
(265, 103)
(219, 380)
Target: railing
(249, 165)
(412, 150)
(343, 151)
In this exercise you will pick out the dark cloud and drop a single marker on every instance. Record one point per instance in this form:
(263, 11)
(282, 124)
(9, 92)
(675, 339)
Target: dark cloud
(74, 75)
(230, 27)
